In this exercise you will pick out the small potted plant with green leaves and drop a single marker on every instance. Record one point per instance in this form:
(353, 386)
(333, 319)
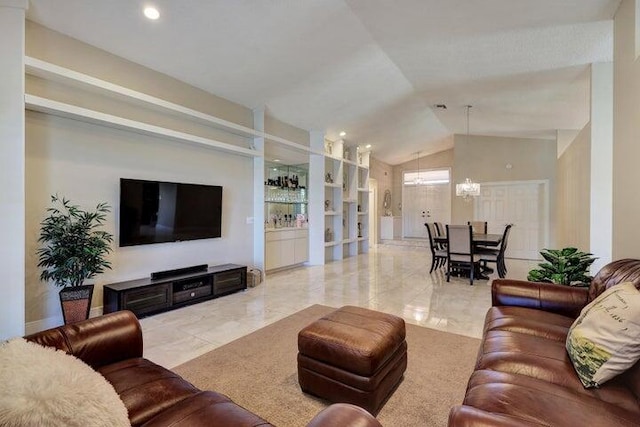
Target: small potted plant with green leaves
(567, 266)
(74, 249)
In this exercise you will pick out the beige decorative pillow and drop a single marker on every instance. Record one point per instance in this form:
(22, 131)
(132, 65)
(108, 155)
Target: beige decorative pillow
(604, 341)
(42, 386)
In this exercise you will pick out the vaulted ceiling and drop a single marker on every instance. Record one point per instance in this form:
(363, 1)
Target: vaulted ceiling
(373, 68)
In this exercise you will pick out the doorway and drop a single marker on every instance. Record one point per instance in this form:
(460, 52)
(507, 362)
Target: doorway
(427, 199)
(525, 204)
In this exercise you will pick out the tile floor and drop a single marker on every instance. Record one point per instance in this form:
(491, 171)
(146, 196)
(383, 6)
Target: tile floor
(390, 278)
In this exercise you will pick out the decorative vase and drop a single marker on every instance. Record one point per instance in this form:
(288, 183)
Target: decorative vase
(76, 303)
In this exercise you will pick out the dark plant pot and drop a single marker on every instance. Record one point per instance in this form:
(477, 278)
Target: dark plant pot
(76, 303)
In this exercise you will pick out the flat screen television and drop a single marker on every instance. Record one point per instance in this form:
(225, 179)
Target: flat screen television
(158, 212)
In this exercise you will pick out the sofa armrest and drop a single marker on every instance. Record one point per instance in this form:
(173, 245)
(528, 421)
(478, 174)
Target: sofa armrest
(344, 415)
(468, 416)
(97, 341)
(565, 300)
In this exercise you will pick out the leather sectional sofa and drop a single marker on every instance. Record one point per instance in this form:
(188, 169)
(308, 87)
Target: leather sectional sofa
(155, 396)
(523, 375)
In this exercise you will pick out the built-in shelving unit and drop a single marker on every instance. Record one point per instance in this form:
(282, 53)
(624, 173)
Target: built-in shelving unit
(339, 172)
(346, 198)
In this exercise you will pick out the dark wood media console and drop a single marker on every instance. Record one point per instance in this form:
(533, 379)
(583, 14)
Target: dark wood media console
(150, 296)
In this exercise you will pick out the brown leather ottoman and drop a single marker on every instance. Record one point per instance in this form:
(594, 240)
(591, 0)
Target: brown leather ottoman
(353, 355)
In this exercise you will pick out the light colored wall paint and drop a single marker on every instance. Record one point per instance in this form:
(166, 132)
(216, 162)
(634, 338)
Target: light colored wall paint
(12, 168)
(573, 194)
(601, 233)
(84, 162)
(485, 159)
(564, 138)
(383, 174)
(443, 159)
(284, 130)
(626, 134)
(54, 47)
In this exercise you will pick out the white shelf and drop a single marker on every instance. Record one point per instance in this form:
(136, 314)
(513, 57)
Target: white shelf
(332, 213)
(362, 239)
(49, 71)
(349, 200)
(347, 241)
(332, 157)
(363, 213)
(363, 190)
(350, 162)
(36, 103)
(329, 244)
(334, 185)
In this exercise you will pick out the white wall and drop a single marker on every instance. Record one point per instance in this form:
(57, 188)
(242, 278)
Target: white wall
(12, 14)
(626, 134)
(84, 162)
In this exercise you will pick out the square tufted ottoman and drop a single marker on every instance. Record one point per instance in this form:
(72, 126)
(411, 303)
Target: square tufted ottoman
(353, 355)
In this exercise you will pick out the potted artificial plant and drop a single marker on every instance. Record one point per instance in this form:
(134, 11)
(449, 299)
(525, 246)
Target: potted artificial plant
(74, 249)
(566, 266)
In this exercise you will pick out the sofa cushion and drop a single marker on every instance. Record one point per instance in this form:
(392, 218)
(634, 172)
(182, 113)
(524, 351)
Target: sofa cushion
(145, 388)
(206, 408)
(539, 402)
(604, 341)
(528, 321)
(42, 386)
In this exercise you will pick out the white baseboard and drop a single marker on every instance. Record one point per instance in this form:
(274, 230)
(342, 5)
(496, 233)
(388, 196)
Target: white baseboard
(54, 321)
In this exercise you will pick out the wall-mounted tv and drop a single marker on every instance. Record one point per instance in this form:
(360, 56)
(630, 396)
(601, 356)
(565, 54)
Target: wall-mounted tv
(158, 212)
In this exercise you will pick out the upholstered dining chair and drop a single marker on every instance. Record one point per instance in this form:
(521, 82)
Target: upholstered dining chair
(438, 255)
(497, 255)
(460, 252)
(440, 231)
(479, 227)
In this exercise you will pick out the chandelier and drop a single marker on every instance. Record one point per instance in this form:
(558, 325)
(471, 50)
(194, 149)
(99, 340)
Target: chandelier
(468, 188)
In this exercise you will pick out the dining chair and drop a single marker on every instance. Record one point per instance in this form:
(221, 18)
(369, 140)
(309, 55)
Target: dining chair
(460, 252)
(479, 227)
(497, 255)
(438, 255)
(440, 231)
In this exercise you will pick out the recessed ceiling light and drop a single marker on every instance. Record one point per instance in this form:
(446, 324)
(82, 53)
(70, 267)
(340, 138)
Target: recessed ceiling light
(368, 146)
(343, 133)
(151, 13)
(276, 160)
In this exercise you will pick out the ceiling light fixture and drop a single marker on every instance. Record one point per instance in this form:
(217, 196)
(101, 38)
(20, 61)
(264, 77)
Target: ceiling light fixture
(368, 146)
(343, 134)
(151, 13)
(468, 188)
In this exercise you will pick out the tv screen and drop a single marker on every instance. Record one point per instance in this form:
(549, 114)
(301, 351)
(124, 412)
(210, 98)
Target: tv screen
(157, 212)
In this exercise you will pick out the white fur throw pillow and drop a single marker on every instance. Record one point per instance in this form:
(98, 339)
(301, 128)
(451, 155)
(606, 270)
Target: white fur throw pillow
(42, 386)
(604, 341)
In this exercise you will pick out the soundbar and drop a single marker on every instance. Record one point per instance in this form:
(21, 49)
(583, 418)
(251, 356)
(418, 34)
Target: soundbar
(178, 271)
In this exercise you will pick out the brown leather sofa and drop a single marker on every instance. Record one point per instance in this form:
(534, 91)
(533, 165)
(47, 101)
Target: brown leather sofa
(523, 376)
(155, 396)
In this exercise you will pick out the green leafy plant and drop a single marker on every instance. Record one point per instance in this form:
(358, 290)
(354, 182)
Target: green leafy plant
(74, 249)
(566, 266)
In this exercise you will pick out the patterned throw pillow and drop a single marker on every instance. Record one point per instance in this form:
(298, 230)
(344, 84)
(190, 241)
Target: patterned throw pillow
(604, 341)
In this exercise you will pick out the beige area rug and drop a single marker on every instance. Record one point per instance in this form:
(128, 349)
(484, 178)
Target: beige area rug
(259, 372)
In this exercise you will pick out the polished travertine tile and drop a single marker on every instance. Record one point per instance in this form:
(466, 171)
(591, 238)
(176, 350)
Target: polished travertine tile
(390, 278)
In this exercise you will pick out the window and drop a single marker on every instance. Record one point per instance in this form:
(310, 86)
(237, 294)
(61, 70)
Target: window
(426, 177)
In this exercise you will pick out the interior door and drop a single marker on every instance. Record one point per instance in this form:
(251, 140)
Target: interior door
(522, 204)
(424, 203)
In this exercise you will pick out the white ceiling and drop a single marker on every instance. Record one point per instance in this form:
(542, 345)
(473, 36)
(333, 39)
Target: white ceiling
(374, 68)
